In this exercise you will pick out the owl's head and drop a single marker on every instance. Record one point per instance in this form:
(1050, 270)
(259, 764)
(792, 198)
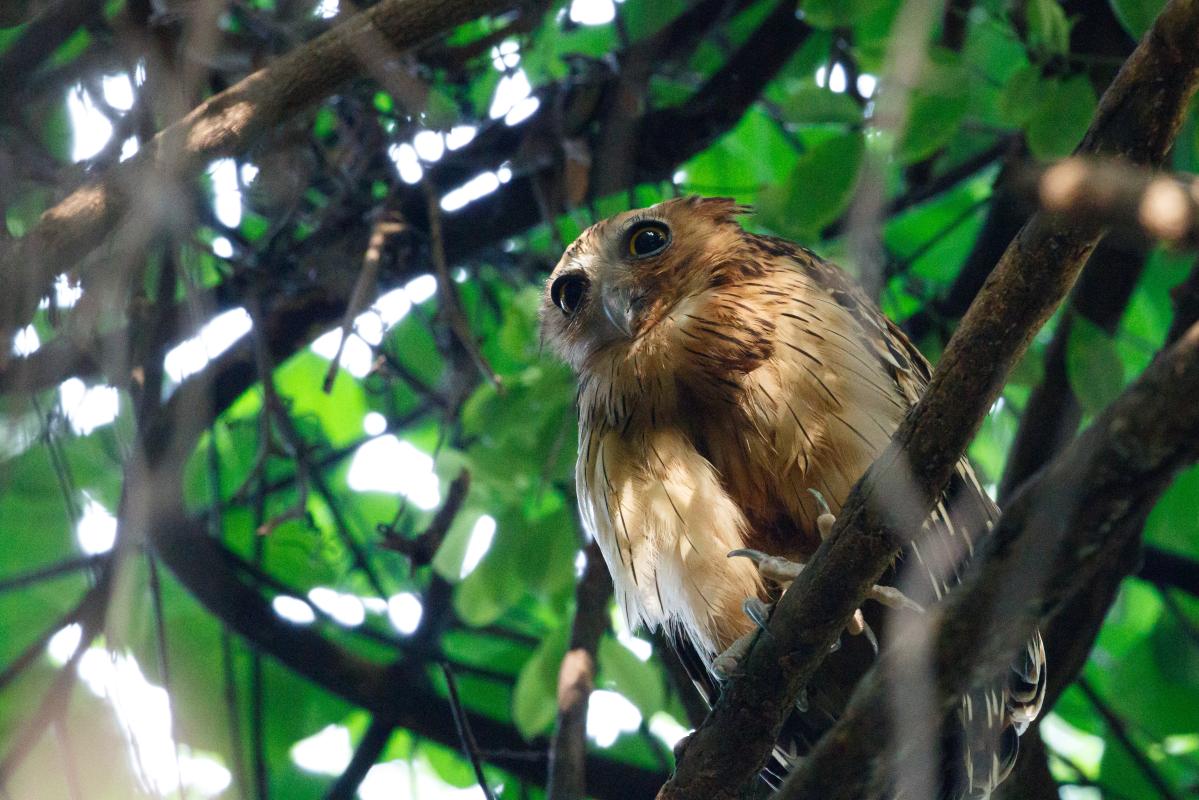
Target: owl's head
(624, 275)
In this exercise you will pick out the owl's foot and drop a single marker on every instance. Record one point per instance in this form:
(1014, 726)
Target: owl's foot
(725, 664)
(784, 572)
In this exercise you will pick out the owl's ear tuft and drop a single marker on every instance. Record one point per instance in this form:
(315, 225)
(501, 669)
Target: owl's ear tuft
(721, 210)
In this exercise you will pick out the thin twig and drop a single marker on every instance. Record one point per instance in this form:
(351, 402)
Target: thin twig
(389, 224)
(64, 567)
(276, 436)
(421, 549)
(451, 304)
(469, 746)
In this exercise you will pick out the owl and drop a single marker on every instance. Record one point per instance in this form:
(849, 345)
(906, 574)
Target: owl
(730, 385)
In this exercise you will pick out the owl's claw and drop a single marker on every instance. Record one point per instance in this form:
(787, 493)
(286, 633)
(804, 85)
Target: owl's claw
(825, 520)
(776, 568)
(758, 611)
(783, 572)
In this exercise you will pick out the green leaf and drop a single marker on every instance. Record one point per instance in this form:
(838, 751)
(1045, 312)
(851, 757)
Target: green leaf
(1021, 96)
(72, 48)
(1048, 28)
(751, 155)
(816, 105)
(621, 671)
(535, 697)
(441, 111)
(498, 582)
(1174, 521)
(325, 123)
(1062, 118)
(1137, 16)
(933, 119)
(818, 189)
(839, 13)
(383, 102)
(449, 764)
(339, 413)
(1093, 365)
(412, 343)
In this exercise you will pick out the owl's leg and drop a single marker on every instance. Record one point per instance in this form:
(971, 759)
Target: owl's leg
(783, 572)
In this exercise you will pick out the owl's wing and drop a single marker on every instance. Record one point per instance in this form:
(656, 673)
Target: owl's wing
(983, 747)
(992, 717)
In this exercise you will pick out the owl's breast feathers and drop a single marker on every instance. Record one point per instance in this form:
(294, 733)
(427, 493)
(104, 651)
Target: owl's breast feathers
(768, 382)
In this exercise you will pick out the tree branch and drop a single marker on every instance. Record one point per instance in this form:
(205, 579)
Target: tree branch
(576, 680)
(369, 749)
(1137, 119)
(1117, 194)
(1166, 569)
(223, 125)
(1055, 534)
(399, 691)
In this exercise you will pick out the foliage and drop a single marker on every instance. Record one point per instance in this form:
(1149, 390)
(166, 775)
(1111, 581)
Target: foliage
(336, 476)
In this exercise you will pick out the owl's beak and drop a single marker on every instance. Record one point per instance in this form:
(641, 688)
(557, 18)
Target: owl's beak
(618, 308)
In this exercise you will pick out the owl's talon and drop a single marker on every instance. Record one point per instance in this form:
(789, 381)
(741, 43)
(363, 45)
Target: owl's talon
(776, 568)
(826, 520)
(893, 598)
(757, 611)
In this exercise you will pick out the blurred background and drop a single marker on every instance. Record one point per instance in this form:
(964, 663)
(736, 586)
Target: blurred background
(286, 481)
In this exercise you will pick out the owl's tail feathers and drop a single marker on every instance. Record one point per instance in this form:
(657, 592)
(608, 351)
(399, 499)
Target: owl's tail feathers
(992, 721)
(1026, 687)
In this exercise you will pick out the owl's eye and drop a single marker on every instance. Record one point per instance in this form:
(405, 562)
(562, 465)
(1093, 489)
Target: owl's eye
(568, 291)
(648, 239)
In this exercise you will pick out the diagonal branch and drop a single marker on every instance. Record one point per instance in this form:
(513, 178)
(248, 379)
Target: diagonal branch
(369, 749)
(400, 692)
(223, 125)
(1137, 119)
(1054, 536)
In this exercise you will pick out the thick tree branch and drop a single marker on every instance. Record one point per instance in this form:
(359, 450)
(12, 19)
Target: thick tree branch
(1053, 537)
(223, 125)
(399, 692)
(1137, 119)
(1070, 629)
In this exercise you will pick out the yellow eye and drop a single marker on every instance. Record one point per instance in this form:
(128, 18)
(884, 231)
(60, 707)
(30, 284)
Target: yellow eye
(648, 239)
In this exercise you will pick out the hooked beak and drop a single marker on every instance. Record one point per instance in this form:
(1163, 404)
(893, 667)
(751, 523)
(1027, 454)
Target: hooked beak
(618, 308)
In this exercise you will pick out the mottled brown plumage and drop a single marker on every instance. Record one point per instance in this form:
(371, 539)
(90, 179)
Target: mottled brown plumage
(722, 376)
